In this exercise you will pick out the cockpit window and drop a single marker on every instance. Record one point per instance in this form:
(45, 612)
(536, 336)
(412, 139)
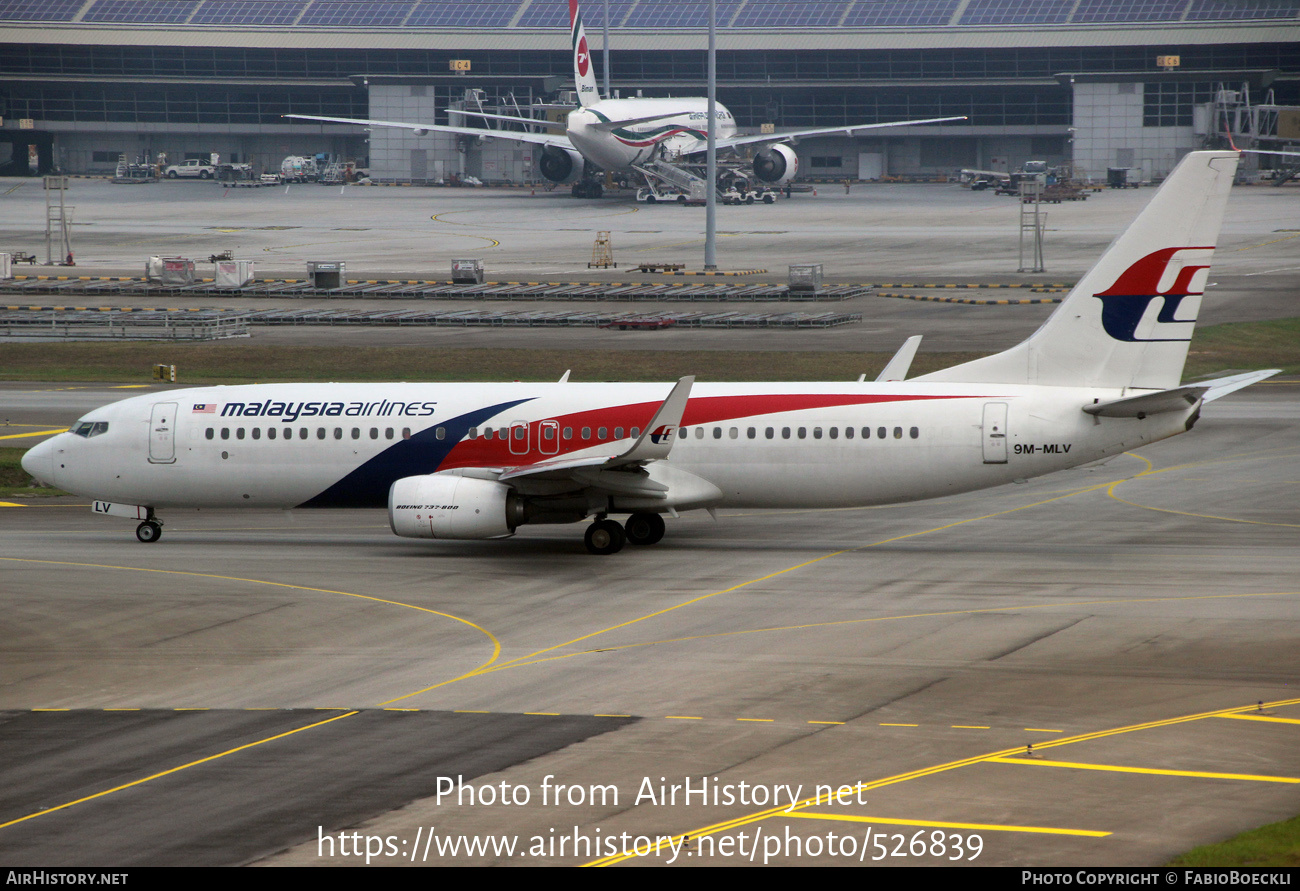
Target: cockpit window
(89, 428)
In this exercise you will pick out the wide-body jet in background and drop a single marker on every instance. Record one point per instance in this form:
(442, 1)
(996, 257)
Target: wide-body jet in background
(661, 141)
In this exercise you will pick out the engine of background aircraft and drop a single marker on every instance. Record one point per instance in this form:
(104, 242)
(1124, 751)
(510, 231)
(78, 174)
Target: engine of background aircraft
(560, 165)
(777, 165)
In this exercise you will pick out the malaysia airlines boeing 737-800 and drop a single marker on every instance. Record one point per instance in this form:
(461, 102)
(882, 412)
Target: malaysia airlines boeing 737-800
(475, 461)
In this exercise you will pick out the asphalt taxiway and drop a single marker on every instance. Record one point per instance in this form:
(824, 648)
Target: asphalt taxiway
(1095, 667)
(243, 686)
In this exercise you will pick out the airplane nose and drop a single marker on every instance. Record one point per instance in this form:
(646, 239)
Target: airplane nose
(39, 461)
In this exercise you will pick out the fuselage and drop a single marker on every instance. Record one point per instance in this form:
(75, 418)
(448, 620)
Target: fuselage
(778, 445)
(621, 147)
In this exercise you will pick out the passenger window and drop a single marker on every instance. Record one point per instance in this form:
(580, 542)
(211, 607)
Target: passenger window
(271, 433)
(915, 433)
(817, 433)
(835, 432)
(338, 432)
(898, 433)
(208, 433)
(548, 433)
(356, 432)
(487, 434)
(374, 432)
(785, 432)
(406, 433)
(257, 433)
(568, 433)
(602, 432)
(239, 433)
(699, 432)
(848, 432)
(751, 433)
(683, 432)
(440, 433)
(636, 431)
(734, 433)
(388, 433)
(769, 433)
(881, 432)
(303, 433)
(472, 433)
(586, 433)
(320, 433)
(803, 432)
(866, 432)
(717, 433)
(225, 433)
(618, 432)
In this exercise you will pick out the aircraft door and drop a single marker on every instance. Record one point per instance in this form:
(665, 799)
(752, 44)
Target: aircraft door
(162, 433)
(519, 437)
(548, 437)
(995, 433)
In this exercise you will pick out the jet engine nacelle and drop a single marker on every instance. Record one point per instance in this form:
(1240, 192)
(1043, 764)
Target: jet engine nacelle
(560, 165)
(451, 506)
(776, 165)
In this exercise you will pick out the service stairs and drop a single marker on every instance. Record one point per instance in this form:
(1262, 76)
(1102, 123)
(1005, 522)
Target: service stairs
(679, 178)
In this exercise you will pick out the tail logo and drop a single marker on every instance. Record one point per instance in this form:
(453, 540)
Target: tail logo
(583, 58)
(1128, 305)
(662, 434)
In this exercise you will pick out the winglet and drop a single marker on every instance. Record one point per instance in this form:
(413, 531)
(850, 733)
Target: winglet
(657, 440)
(898, 366)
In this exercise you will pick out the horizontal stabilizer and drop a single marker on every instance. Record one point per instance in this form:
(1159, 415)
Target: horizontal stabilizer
(1148, 403)
(1223, 386)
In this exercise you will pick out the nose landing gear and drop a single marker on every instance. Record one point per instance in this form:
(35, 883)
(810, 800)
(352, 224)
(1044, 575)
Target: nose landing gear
(149, 531)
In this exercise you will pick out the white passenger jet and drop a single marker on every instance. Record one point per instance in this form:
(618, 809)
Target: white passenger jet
(476, 461)
(661, 140)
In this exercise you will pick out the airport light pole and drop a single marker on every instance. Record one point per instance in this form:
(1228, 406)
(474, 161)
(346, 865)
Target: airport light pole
(605, 52)
(711, 166)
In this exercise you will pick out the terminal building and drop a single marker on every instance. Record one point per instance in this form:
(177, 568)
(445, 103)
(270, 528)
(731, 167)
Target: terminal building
(1093, 83)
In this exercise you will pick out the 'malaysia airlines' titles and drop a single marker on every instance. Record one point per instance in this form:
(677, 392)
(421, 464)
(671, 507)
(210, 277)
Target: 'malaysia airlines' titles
(292, 411)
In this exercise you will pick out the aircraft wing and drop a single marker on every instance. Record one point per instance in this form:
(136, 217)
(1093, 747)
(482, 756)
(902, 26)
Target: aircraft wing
(512, 135)
(736, 141)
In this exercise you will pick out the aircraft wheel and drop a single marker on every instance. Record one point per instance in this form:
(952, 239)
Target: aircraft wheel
(644, 529)
(605, 537)
(148, 531)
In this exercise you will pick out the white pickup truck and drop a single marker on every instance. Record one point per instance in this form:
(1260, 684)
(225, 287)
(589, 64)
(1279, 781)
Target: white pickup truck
(194, 167)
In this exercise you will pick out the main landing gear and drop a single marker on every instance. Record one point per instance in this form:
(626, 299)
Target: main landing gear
(587, 188)
(605, 536)
(149, 531)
